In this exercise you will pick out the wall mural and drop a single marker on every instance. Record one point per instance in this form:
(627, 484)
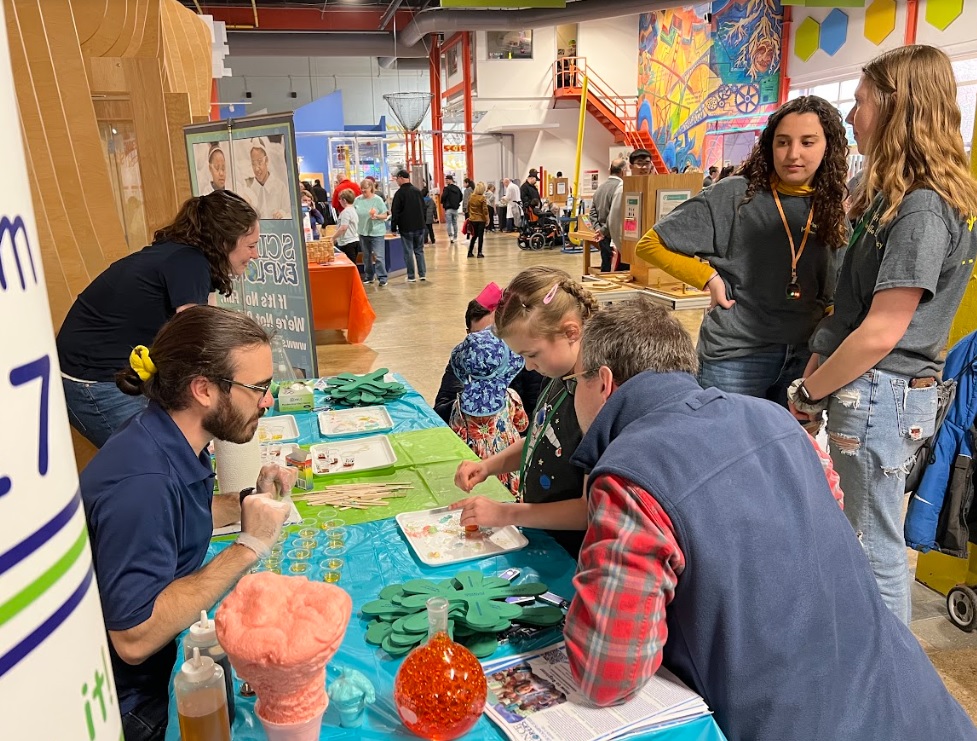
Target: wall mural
(700, 74)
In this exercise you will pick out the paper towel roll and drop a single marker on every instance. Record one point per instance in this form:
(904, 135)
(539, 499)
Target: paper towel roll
(237, 465)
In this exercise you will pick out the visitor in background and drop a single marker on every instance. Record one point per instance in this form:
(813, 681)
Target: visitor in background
(711, 177)
(513, 215)
(600, 209)
(490, 199)
(478, 216)
(428, 216)
(466, 195)
(726, 172)
(451, 199)
(343, 182)
(528, 192)
(487, 414)
(909, 260)
(773, 238)
(407, 216)
(210, 242)
(346, 236)
(316, 219)
(372, 215)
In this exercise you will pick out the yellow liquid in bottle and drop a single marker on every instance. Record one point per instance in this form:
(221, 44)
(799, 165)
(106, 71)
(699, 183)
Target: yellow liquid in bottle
(210, 727)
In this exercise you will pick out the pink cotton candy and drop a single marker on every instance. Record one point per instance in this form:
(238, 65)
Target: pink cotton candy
(279, 632)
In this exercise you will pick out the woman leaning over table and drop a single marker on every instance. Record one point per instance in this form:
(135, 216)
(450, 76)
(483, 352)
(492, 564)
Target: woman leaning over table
(210, 242)
(373, 214)
(771, 236)
(877, 361)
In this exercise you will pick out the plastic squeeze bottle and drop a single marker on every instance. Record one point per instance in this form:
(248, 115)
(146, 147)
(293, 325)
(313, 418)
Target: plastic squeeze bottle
(200, 700)
(203, 635)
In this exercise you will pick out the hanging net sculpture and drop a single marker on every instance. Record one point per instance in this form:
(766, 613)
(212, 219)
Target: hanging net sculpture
(409, 109)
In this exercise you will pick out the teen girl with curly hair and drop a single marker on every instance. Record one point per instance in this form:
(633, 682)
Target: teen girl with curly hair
(770, 236)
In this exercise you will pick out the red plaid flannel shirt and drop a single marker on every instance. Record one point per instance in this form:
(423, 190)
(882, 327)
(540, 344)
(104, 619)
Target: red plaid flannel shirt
(628, 568)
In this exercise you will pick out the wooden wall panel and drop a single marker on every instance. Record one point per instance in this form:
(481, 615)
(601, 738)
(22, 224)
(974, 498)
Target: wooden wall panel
(89, 15)
(62, 50)
(63, 264)
(178, 116)
(128, 10)
(188, 55)
(155, 159)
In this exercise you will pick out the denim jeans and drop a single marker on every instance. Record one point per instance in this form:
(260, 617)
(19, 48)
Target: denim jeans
(766, 374)
(414, 248)
(147, 722)
(451, 219)
(372, 248)
(875, 425)
(98, 409)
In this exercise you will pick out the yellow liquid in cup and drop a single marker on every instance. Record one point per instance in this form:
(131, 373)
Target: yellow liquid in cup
(331, 577)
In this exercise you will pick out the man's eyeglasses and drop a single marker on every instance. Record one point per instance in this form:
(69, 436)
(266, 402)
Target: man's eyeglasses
(262, 390)
(570, 382)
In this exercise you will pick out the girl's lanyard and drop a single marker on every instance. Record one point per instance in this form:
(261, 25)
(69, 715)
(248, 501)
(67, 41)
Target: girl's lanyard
(536, 435)
(793, 289)
(869, 221)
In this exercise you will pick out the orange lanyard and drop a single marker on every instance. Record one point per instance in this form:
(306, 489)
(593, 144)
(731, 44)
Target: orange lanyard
(795, 255)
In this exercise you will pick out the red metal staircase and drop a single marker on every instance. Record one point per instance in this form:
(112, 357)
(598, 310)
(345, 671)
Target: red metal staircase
(616, 113)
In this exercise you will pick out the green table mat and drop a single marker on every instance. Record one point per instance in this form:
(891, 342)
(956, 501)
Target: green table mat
(426, 459)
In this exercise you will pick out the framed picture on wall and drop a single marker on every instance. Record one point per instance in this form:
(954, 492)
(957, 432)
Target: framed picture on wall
(509, 44)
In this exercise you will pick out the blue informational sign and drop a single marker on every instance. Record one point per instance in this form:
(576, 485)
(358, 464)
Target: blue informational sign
(255, 158)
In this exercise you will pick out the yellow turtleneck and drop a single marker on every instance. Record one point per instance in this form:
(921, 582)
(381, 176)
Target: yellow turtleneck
(690, 269)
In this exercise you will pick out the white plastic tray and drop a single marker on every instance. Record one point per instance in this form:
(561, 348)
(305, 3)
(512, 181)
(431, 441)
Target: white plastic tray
(355, 421)
(278, 428)
(438, 539)
(366, 454)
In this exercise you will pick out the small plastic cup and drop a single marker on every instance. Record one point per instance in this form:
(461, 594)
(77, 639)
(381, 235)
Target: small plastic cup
(310, 522)
(308, 730)
(309, 544)
(299, 554)
(329, 522)
(333, 557)
(277, 550)
(332, 571)
(308, 532)
(282, 536)
(271, 562)
(299, 567)
(336, 537)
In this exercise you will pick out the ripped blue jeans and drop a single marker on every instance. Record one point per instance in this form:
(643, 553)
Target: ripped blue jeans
(875, 425)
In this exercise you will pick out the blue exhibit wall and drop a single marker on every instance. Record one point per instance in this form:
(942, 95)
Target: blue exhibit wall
(322, 114)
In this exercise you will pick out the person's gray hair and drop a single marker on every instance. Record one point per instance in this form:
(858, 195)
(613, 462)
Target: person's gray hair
(631, 337)
(617, 167)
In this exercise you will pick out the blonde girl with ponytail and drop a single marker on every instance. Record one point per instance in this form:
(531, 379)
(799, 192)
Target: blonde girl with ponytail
(541, 317)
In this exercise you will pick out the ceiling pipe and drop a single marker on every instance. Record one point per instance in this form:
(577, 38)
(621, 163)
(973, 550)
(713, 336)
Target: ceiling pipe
(390, 13)
(403, 64)
(438, 20)
(318, 44)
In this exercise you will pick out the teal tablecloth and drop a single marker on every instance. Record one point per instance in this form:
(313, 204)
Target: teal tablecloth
(382, 557)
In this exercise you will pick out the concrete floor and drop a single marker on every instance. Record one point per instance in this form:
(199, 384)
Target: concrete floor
(419, 323)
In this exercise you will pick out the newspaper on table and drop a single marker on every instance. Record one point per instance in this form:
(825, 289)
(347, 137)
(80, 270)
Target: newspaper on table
(533, 697)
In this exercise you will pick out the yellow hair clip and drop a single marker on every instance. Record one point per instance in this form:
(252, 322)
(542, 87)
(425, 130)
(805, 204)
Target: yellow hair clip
(141, 363)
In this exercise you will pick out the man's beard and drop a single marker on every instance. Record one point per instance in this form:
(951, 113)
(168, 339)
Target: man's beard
(227, 424)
